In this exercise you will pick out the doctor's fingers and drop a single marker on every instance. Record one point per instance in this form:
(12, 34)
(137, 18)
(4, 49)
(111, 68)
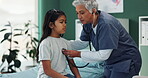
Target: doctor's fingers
(65, 52)
(68, 52)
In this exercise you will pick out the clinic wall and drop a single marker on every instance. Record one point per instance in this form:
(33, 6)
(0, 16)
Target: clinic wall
(67, 7)
(43, 7)
(132, 10)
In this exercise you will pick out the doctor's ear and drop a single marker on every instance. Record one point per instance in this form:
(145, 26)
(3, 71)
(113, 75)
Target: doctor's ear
(94, 11)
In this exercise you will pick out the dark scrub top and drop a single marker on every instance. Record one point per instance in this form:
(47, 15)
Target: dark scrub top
(110, 34)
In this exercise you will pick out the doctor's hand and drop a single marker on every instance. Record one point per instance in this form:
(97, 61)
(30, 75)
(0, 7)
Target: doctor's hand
(71, 53)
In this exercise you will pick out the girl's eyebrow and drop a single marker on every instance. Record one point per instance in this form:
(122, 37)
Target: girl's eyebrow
(62, 20)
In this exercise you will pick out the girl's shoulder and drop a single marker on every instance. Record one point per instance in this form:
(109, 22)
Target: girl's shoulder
(65, 40)
(50, 39)
(46, 41)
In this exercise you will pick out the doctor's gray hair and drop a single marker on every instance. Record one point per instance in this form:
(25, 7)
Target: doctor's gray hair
(89, 4)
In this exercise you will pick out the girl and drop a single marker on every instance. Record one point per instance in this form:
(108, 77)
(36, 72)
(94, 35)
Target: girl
(52, 61)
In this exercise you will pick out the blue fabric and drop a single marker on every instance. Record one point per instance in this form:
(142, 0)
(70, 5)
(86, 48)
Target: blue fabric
(93, 70)
(113, 71)
(30, 73)
(110, 34)
(69, 76)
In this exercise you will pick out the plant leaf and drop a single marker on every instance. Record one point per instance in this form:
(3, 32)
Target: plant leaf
(30, 53)
(3, 69)
(10, 69)
(9, 59)
(35, 39)
(6, 36)
(26, 31)
(18, 34)
(4, 57)
(17, 63)
(35, 44)
(15, 42)
(3, 30)
(13, 54)
(27, 24)
(24, 57)
(9, 24)
(18, 29)
(3, 40)
(29, 34)
(27, 44)
(9, 40)
(15, 50)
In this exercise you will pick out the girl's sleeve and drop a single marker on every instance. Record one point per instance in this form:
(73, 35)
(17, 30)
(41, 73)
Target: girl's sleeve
(44, 52)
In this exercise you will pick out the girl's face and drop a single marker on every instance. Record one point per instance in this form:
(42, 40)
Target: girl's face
(59, 27)
(83, 14)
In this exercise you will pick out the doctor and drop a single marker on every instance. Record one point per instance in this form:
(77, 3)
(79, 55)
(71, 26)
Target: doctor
(110, 40)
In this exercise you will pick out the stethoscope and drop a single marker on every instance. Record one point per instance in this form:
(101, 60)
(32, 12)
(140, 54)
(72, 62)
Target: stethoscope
(74, 65)
(88, 33)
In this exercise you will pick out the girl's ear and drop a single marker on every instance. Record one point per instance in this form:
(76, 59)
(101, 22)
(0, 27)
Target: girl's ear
(51, 25)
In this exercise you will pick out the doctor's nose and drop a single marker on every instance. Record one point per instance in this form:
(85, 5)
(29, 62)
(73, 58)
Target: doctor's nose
(79, 16)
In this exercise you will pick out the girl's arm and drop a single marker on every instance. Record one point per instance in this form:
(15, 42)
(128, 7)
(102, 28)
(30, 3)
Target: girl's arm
(74, 70)
(50, 72)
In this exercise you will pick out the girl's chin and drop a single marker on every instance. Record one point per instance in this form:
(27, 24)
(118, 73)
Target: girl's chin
(63, 33)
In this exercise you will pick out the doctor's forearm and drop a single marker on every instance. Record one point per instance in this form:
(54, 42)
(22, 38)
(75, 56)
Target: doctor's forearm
(78, 54)
(100, 55)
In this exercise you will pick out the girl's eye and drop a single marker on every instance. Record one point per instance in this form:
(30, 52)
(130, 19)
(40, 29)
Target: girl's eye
(63, 22)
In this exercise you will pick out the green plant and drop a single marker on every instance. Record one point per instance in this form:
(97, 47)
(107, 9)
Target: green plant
(11, 56)
(32, 42)
(27, 31)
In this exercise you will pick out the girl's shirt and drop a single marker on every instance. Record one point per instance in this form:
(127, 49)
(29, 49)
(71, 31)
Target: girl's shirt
(50, 49)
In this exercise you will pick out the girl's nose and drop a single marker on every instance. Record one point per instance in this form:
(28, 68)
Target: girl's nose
(65, 24)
